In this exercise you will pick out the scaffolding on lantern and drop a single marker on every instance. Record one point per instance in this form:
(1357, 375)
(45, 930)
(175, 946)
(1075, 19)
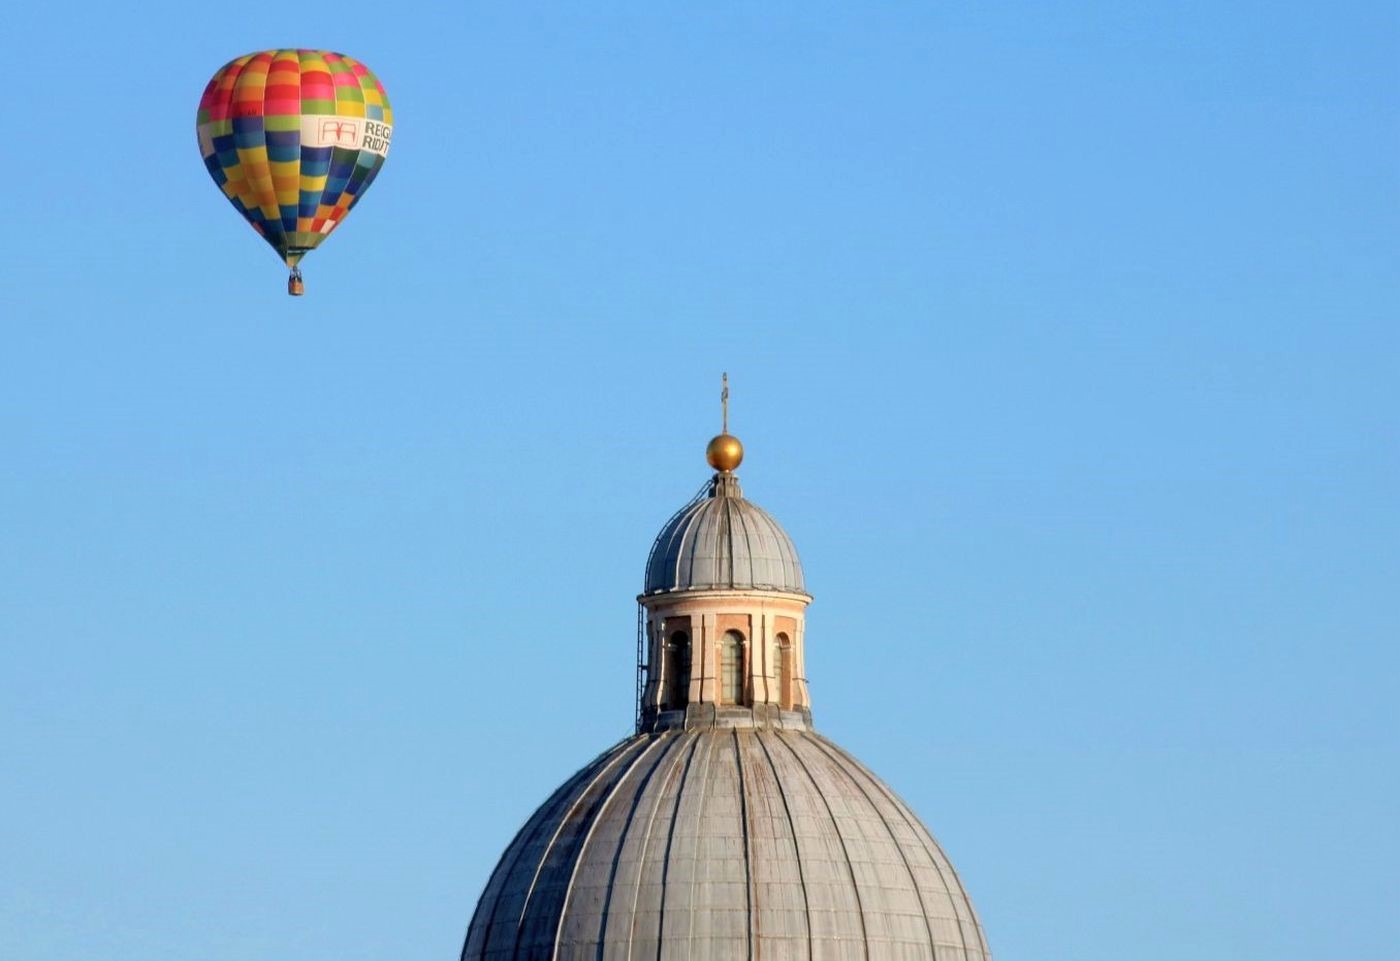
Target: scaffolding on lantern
(641, 665)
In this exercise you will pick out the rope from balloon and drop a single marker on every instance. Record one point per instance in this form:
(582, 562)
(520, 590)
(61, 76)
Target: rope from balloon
(295, 287)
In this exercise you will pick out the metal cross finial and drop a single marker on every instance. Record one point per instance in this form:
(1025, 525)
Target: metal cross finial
(724, 402)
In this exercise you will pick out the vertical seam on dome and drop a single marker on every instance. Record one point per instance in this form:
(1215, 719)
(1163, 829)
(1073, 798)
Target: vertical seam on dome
(936, 855)
(674, 531)
(727, 532)
(855, 886)
(918, 892)
(588, 836)
(744, 823)
(666, 857)
(774, 557)
(529, 895)
(738, 579)
(679, 538)
(669, 533)
(685, 554)
(698, 505)
(681, 741)
(749, 551)
(617, 855)
(695, 853)
(544, 813)
(792, 827)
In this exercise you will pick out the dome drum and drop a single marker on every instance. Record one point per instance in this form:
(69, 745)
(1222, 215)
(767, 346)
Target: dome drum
(724, 658)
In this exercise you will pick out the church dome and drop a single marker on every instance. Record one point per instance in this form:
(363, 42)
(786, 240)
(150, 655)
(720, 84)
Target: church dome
(726, 828)
(720, 541)
(724, 845)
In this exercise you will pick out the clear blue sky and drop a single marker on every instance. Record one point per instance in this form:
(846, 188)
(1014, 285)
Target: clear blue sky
(1063, 339)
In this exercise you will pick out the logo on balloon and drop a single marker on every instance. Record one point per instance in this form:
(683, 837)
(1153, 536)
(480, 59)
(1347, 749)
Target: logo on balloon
(340, 133)
(346, 133)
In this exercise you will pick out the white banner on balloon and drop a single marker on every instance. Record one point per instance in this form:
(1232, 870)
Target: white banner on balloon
(353, 133)
(324, 130)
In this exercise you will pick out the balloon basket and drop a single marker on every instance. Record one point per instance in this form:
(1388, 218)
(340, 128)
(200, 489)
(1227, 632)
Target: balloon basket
(295, 287)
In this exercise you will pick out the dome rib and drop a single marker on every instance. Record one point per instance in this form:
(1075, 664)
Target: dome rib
(748, 858)
(695, 851)
(792, 836)
(682, 754)
(670, 844)
(621, 839)
(903, 855)
(673, 529)
(571, 796)
(937, 858)
(724, 553)
(845, 848)
(746, 533)
(517, 847)
(540, 919)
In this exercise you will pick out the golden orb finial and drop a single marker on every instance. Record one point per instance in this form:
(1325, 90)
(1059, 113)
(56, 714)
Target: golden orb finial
(725, 452)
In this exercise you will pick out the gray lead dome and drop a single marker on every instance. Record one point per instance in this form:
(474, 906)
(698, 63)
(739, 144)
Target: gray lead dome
(720, 541)
(724, 845)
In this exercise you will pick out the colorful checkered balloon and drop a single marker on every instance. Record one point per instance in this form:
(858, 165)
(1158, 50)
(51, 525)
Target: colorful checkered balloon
(294, 138)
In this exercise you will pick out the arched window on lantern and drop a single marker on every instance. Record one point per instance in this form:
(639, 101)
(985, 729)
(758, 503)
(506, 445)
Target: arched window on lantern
(677, 672)
(784, 671)
(731, 662)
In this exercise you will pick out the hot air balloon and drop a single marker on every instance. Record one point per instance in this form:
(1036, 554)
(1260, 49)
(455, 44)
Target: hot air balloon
(294, 138)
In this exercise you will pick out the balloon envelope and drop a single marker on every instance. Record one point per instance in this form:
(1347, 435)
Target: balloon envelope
(294, 138)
